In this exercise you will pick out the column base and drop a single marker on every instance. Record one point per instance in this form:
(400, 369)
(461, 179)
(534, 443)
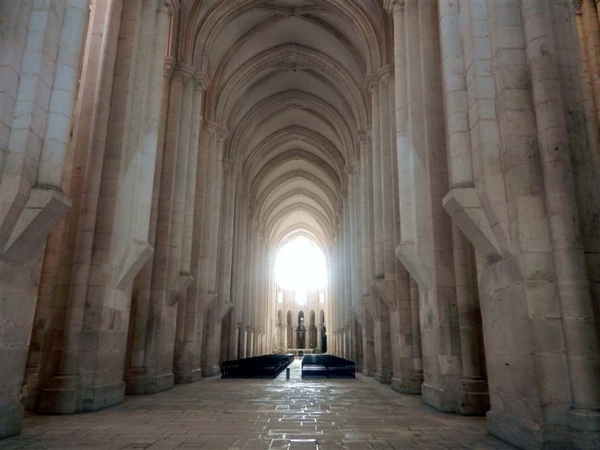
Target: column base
(30, 389)
(211, 371)
(473, 397)
(138, 383)
(383, 379)
(135, 381)
(367, 372)
(406, 386)
(439, 398)
(10, 420)
(60, 395)
(524, 434)
(584, 428)
(100, 397)
(187, 376)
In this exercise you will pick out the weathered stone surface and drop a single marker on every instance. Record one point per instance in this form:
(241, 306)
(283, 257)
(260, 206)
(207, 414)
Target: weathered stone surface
(443, 154)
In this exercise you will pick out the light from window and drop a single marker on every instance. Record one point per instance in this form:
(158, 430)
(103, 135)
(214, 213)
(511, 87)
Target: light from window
(300, 266)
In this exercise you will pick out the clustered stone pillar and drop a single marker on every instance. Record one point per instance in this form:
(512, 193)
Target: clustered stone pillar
(517, 148)
(39, 67)
(459, 211)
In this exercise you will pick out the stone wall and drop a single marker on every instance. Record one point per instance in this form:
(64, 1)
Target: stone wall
(444, 154)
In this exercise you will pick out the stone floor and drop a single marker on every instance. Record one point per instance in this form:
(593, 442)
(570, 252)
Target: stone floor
(290, 414)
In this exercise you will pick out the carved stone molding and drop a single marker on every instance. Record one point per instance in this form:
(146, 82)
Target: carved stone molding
(372, 83)
(392, 6)
(222, 134)
(165, 7)
(202, 78)
(168, 67)
(184, 68)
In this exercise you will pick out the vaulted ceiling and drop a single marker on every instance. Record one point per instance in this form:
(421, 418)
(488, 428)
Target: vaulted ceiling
(287, 79)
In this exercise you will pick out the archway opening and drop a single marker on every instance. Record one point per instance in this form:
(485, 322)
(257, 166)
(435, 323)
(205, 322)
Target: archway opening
(300, 278)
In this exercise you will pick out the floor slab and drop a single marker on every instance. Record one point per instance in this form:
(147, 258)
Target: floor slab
(292, 414)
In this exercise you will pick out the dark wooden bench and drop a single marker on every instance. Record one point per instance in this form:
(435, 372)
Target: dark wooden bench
(266, 366)
(327, 366)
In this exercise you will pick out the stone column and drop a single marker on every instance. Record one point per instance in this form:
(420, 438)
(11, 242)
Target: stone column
(473, 392)
(377, 177)
(35, 70)
(229, 203)
(208, 212)
(221, 136)
(62, 100)
(573, 288)
(365, 204)
(186, 364)
(61, 383)
(135, 375)
(237, 308)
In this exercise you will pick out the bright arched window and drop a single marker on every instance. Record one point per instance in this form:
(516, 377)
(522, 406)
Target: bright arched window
(300, 266)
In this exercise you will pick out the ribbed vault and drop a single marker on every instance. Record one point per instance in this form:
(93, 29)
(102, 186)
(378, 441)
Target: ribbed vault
(286, 79)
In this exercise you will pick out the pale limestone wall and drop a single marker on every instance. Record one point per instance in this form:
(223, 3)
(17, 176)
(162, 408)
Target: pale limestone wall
(104, 242)
(41, 46)
(449, 171)
(514, 109)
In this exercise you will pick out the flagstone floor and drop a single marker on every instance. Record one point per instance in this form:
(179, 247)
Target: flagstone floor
(274, 414)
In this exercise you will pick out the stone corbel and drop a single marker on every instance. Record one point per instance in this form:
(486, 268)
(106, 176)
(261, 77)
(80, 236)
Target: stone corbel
(168, 67)
(371, 306)
(180, 284)
(386, 290)
(44, 209)
(206, 301)
(167, 6)
(385, 72)
(359, 314)
(200, 81)
(363, 138)
(468, 213)
(136, 256)
(222, 310)
(372, 83)
(391, 5)
(408, 255)
(222, 135)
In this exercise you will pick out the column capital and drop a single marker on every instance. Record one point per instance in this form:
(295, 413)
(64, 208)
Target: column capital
(200, 81)
(184, 68)
(392, 6)
(212, 126)
(385, 72)
(372, 82)
(165, 6)
(168, 67)
(222, 134)
(363, 139)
